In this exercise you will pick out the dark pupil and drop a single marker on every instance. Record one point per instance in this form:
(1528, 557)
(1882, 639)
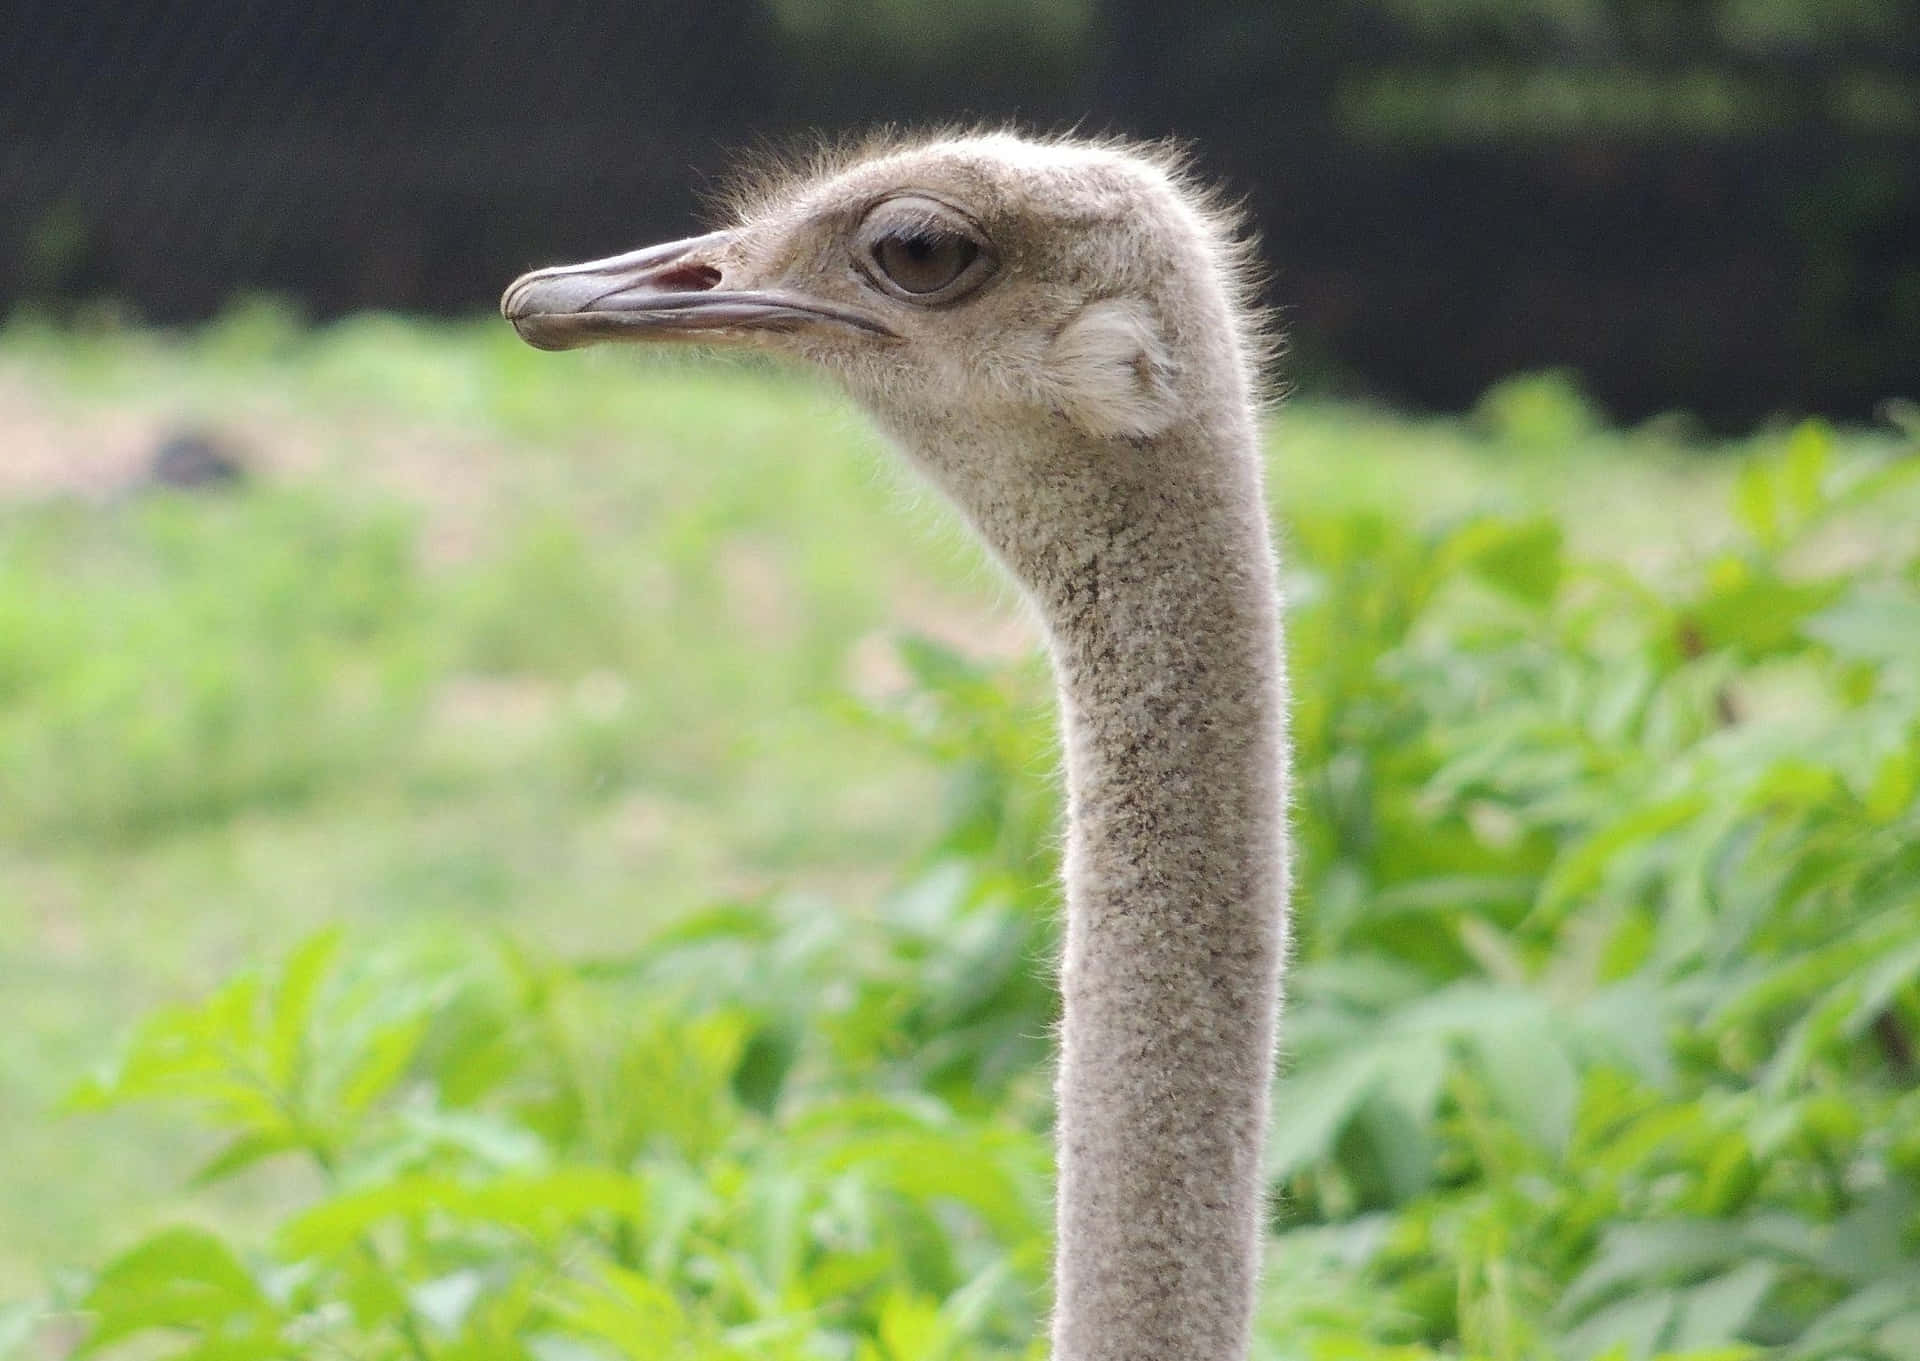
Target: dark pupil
(924, 262)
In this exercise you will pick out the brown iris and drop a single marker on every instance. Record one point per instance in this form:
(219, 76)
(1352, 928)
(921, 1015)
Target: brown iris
(924, 261)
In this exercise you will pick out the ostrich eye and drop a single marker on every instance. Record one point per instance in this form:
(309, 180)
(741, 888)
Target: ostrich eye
(923, 251)
(924, 262)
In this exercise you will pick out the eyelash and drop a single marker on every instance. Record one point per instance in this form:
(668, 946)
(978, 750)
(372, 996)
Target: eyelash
(921, 224)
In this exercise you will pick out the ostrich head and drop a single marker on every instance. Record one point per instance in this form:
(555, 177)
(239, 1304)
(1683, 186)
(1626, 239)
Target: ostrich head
(988, 298)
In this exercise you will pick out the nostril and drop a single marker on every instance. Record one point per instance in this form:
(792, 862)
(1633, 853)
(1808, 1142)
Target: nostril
(688, 278)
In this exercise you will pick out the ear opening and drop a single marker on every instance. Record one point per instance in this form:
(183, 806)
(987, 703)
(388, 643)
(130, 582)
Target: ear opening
(1110, 373)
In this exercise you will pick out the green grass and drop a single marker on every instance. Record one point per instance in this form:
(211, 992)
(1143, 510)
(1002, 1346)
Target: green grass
(570, 647)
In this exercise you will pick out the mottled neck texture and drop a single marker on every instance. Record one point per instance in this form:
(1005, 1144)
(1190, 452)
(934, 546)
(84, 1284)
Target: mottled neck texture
(1152, 568)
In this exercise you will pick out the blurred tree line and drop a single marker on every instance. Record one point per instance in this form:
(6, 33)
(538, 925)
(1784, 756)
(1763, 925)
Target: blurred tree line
(1705, 204)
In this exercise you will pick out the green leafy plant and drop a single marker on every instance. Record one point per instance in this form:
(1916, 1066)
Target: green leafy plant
(1608, 990)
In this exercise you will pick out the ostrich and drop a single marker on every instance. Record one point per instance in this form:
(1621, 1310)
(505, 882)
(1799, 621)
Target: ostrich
(1059, 334)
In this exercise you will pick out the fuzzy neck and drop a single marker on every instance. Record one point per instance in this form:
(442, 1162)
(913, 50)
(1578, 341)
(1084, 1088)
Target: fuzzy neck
(1152, 569)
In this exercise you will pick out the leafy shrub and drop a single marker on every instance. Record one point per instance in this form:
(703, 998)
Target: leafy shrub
(1536, 411)
(1607, 987)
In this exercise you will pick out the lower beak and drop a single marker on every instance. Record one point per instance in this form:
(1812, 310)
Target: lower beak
(669, 292)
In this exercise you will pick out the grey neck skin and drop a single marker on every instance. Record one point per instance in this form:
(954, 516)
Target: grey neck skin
(1151, 566)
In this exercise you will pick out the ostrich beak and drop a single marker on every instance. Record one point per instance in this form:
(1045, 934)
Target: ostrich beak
(669, 292)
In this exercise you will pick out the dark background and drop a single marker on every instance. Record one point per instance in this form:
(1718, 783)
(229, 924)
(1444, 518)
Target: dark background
(1711, 205)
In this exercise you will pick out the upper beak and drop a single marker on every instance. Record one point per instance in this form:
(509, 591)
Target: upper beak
(669, 292)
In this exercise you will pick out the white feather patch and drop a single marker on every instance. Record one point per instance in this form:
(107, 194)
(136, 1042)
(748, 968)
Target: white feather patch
(1110, 372)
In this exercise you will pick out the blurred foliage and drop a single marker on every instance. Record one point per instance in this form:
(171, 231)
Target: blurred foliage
(1538, 411)
(113, 720)
(1756, 25)
(1478, 71)
(923, 32)
(1601, 1035)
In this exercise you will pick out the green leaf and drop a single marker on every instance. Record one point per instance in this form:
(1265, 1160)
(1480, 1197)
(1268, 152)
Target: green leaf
(968, 1310)
(1756, 504)
(1875, 484)
(1749, 609)
(176, 1278)
(1804, 469)
(1532, 1079)
(1877, 626)
(1856, 1318)
(243, 1152)
(1582, 870)
(380, 1066)
(1413, 1073)
(1870, 1242)
(1398, 1146)
(1645, 1254)
(980, 1170)
(1777, 497)
(489, 1140)
(1519, 557)
(1632, 1327)
(1311, 1108)
(540, 1205)
(1876, 991)
(299, 984)
(1895, 786)
(911, 1329)
(640, 1319)
(765, 1062)
(1716, 1311)
(337, 1224)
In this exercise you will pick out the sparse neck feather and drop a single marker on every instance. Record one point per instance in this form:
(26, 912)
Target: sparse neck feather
(1150, 563)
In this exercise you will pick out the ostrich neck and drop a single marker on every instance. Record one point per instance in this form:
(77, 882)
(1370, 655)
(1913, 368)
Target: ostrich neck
(1152, 569)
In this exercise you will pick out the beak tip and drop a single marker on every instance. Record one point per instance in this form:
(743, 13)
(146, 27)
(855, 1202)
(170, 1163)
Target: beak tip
(518, 310)
(508, 299)
(529, 330)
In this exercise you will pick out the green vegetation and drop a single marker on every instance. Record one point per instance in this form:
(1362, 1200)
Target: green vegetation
(582, 855)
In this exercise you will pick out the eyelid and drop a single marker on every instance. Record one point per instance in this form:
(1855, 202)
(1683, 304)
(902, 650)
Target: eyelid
(918, 213)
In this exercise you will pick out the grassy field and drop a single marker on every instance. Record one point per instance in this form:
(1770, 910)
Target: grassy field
(566, 647)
